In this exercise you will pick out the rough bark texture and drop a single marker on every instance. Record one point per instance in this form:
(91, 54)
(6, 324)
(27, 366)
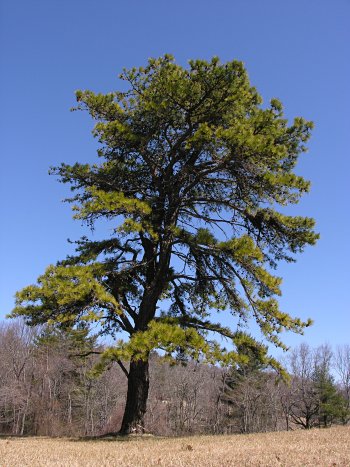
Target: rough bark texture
(136, 400)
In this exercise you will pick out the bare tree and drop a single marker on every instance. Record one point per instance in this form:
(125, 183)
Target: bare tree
(342, 367)
(304, 404)
(17, 367)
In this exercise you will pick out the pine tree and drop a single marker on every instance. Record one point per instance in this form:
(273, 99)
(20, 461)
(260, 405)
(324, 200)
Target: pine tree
(331, 404)
(192, 170)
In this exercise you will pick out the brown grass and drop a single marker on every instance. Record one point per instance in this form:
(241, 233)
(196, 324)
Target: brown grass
(329, 447)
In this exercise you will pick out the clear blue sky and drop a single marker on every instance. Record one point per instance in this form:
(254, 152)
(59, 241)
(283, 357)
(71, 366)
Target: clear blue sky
(297, 51)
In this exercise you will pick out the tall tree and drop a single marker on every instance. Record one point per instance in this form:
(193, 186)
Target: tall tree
(342, 367)
(332, 405)
(193, 168)
(300, 400)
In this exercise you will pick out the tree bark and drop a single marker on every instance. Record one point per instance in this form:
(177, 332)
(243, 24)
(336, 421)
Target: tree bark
(136, 400)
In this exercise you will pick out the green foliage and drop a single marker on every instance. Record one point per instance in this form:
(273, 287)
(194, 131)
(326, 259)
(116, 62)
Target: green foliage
(171, 336)
(73, 341)
(332, 405)
(193, 168)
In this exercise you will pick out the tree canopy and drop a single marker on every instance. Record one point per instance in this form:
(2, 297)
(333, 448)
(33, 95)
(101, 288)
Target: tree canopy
(191, 174)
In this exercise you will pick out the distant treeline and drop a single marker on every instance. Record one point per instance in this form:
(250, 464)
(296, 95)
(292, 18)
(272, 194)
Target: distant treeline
(48, 386)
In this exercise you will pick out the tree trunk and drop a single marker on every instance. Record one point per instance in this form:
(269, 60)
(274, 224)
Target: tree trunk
(136, 400)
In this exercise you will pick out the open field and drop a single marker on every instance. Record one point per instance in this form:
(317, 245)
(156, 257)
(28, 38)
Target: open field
(329, 447)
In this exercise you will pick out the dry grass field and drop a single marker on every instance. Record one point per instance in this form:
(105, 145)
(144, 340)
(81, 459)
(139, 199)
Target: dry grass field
(329, 447)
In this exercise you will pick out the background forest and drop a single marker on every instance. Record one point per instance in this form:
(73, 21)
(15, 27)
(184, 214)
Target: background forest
(48, 386)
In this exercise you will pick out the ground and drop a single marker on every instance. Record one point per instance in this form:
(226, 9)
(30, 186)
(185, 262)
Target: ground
(318, 447)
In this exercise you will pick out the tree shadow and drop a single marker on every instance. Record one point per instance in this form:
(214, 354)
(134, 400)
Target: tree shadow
(115, 437)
